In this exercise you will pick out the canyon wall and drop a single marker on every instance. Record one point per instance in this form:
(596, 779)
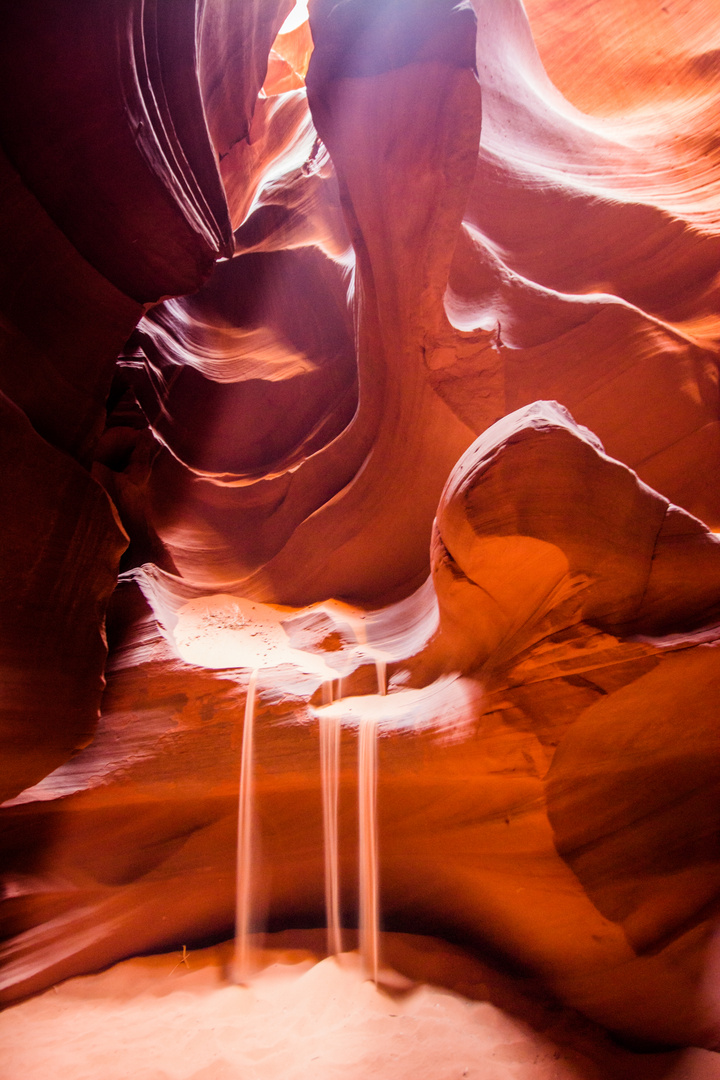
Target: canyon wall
(392, 337)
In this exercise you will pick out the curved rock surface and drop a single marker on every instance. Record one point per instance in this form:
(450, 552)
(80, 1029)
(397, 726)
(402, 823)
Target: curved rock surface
(61, 546)
(417, 373)
(506, 768)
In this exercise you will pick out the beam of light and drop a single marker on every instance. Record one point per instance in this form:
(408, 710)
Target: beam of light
(297, 16)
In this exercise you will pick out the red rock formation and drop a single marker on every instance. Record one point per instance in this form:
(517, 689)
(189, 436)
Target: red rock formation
(426, 242)
(621, 934)
(61, 545)
(111, 198)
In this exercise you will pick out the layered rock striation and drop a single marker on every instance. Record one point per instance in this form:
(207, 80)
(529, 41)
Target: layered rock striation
(362, 344)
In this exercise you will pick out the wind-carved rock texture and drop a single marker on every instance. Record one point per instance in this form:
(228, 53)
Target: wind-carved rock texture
(418, 362)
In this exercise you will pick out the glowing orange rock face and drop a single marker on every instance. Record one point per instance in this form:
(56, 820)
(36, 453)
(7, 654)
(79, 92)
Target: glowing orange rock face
(348, 429)
(552, 775)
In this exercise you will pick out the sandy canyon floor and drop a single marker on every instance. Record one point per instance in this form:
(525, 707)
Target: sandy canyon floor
(162, 1018)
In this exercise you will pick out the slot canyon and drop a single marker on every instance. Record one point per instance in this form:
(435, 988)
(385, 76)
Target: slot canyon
(360, 517)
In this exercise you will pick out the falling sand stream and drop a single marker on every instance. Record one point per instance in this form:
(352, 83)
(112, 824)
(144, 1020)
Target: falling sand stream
(268, 650)
(329, 774)
(368, 837)
(241, 966)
